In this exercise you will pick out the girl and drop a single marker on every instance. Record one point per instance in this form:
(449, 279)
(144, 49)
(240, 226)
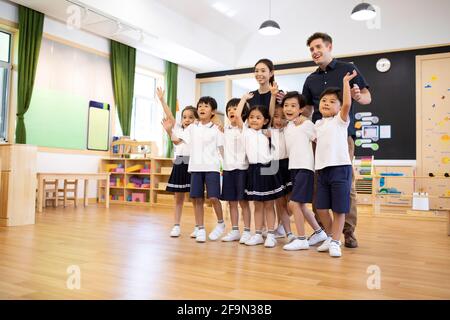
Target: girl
(263, 186)
(281, 156)
(235, 167)
(333, 163)
(180, 179)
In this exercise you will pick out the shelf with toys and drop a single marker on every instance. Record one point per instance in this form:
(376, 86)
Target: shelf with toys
(401, 189)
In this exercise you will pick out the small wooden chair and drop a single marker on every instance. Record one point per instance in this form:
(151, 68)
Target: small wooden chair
(51, 192)
(70, 187)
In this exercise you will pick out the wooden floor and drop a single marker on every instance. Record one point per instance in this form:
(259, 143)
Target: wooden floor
(126, 253)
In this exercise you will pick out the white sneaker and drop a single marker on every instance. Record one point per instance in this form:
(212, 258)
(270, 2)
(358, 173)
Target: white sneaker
(296, 245)
(217, 232)
(325, 245)
(246, 235)
(335, 250)
(271, 241)
(176, 231)
(280, 232)
(233, 235)
(201, 235)
(291, 238)
(194, 234)
(255, 240)
(317, 238)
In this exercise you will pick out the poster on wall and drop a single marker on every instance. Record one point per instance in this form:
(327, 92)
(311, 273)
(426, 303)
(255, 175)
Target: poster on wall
(98, 126)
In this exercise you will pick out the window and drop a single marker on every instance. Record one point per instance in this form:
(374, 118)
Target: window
(5, 71)
(147, 112)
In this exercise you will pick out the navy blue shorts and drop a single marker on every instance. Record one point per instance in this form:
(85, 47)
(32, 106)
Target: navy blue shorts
(200, 179)
(333, 188)
(303, 185)
(180, 178)
(233, 186)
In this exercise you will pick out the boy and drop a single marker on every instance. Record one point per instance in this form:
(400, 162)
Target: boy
(205, 140)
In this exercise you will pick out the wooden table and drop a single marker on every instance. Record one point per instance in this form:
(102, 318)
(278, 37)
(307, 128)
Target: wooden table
(72, 176)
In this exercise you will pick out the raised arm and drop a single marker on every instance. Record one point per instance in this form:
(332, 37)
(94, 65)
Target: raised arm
(347, 95)
(168, 125)
(273, 99)
(160, 92)
(240, 107)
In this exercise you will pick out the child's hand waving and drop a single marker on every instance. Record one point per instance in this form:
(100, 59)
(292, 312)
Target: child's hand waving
(160, 93)
(348, 77)
(247, 96)
(168, 124)
(274, 89)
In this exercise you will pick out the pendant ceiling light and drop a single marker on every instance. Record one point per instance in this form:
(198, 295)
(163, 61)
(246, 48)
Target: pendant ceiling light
(270, 27)
(363, 11)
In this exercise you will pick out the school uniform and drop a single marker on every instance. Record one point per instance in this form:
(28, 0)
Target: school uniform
(263, 183)
(301, 160)
(280, 158)
(333, 165)
(180, 178)
(235, 165)
(204, 160)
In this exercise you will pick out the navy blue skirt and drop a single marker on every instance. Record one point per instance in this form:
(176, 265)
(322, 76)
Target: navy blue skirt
(180, 178)
(284, 175)
(263, 183)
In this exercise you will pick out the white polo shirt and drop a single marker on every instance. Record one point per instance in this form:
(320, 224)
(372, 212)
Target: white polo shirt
(278, 144)
(257, 146)
(204, 141)
(299, 145)
(234, 149)
(182, 149)
(332, 143)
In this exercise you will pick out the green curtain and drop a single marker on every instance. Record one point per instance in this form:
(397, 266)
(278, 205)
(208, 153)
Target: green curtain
(123, 65)
(171, 80)
(31, 24)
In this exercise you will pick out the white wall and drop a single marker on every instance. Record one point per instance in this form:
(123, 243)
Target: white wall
(63, 162)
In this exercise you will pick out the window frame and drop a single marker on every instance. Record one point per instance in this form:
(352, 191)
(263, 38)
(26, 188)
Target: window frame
(5, 105)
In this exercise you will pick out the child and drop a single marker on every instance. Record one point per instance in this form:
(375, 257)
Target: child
(235, 168)
(263, 185)
(205, 140)
(281, 156)
(333, 163)
(180, 179)
(299, 140)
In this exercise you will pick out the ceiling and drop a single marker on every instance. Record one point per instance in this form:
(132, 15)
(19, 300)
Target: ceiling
(194, 34)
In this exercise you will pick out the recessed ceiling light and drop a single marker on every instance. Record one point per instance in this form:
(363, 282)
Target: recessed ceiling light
(224, 9)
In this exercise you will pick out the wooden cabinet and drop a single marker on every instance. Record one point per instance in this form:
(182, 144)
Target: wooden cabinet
(17, 184)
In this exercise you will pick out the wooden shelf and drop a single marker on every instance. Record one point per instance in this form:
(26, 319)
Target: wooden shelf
(156, 195)
(138, 174)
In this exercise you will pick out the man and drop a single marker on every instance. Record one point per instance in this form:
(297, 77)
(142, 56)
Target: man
(330, 74)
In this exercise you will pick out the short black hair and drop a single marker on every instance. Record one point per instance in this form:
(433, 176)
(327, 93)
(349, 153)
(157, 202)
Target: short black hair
(295, 94)
(319, 35)
(234, 103)
(190, 108)
(333, 90)
(208, 100)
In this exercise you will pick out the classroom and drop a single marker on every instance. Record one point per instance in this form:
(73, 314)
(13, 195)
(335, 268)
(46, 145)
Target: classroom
(224, 150)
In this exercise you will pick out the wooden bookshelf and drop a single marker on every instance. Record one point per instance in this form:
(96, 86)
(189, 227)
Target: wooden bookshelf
(156, 195)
